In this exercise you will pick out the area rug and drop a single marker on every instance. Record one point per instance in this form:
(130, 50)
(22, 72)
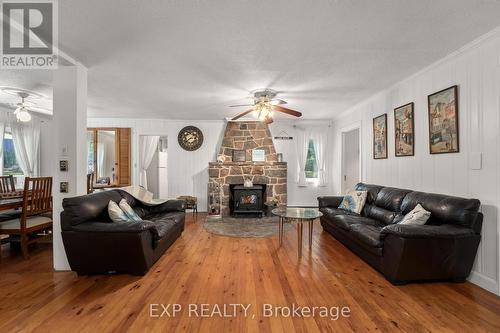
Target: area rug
(243, 227)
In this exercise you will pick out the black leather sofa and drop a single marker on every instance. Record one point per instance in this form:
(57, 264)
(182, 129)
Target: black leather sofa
(95, 244)
(442, 249)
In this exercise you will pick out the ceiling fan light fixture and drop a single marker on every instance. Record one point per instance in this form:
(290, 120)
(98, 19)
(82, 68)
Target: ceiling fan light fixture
(22, 114)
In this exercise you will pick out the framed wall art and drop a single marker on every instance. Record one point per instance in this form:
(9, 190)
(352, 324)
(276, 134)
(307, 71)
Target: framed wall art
(404, 130)
(258, 155)
(239, 155)
(380, 137)
(443, 121)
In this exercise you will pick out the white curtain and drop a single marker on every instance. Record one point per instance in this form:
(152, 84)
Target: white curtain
(26, 138)
(320, 141)
(147, 149)
(302, 148)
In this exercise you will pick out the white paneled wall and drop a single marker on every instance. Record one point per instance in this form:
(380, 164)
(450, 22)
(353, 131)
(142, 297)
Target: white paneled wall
(188, 171)
(476, 70)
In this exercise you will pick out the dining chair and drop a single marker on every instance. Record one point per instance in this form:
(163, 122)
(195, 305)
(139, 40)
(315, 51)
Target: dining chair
(35, 222)
(7, 184)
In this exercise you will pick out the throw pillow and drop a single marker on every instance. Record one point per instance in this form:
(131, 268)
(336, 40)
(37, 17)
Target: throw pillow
(418, 216)
(129, 211)
(354, 201)
(116, 214)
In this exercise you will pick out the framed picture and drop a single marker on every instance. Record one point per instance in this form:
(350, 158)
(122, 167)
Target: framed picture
(404, 130)
(443, 121)
(63, 187)
(258, 155)
(239, 155)
(380, 137)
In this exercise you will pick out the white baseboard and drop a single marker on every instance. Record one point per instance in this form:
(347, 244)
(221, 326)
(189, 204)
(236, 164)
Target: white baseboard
(484, 282)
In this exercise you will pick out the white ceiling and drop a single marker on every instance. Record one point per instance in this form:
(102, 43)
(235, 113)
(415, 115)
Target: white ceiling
(183, 59)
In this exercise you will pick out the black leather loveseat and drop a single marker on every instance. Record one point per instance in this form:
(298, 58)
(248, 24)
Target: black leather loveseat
(442, 249)
(95, 244)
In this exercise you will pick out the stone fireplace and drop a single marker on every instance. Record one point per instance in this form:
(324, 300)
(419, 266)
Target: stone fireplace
(223, 176)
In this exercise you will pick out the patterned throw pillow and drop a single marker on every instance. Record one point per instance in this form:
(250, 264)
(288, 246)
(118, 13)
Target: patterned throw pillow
(116, 214)
(418, 216)
(129, 211)
(354, 201)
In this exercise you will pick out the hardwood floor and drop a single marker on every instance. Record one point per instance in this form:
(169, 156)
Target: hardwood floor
(203, 268)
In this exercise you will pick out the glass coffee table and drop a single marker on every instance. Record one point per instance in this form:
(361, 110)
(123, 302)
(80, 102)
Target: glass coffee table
(299, 216)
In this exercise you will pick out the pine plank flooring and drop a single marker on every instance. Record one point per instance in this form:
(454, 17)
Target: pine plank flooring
(202, 268)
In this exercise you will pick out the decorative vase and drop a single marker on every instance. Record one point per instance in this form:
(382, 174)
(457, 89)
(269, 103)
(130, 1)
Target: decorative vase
(248, 183)
(280, 157)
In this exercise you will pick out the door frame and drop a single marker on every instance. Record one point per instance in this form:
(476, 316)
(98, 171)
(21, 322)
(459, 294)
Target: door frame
(343, 132)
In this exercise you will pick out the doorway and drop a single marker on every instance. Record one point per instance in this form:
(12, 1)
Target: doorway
(351, 164)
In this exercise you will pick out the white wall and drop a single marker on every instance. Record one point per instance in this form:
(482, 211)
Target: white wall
(188, 171)
(476, 70)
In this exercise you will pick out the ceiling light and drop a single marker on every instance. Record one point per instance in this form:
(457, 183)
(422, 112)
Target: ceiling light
(22, 114)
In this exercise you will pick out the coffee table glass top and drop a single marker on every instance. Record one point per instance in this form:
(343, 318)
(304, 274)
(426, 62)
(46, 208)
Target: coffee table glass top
(297, 213)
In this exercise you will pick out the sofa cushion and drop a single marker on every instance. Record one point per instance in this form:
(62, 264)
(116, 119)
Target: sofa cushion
(391, 198)
(381, 214)
(163, 227)
(444, 209)
(88, 207)
(327, 212)
(354, 201)
(418, 216)
(345, 221)
(116, 214)
(129, 211)
(177, 217)
(368, 234)
(371, 189)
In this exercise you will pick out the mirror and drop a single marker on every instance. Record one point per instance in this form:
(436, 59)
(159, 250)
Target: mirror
(106, 157)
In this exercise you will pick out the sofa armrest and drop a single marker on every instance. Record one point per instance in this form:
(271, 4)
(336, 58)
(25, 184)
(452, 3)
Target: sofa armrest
(169, 206)
(426, 231)
(115, 227)
(330, 201)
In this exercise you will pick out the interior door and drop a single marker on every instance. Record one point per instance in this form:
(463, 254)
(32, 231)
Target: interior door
(350, 160)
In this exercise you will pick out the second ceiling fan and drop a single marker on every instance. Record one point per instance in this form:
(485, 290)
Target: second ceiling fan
(265, 104)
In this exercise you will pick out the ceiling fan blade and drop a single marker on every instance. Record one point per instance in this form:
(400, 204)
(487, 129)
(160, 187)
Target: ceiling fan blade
(277, 101)
(287, 111)
(236, 105)
(242, 114)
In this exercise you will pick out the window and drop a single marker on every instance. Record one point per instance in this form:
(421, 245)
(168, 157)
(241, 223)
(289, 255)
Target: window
(10, 166)
(311, 167)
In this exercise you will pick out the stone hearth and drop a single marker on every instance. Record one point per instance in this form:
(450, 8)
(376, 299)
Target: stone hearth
(247, 136)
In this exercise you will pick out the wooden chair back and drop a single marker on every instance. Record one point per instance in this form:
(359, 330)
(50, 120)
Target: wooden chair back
(37, 197)
(7, 184)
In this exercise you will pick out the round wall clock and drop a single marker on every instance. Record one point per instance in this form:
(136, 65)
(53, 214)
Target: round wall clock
(190, 138)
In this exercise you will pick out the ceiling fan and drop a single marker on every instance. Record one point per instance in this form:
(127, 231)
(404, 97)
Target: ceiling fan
(24, 108)
(264, 105)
